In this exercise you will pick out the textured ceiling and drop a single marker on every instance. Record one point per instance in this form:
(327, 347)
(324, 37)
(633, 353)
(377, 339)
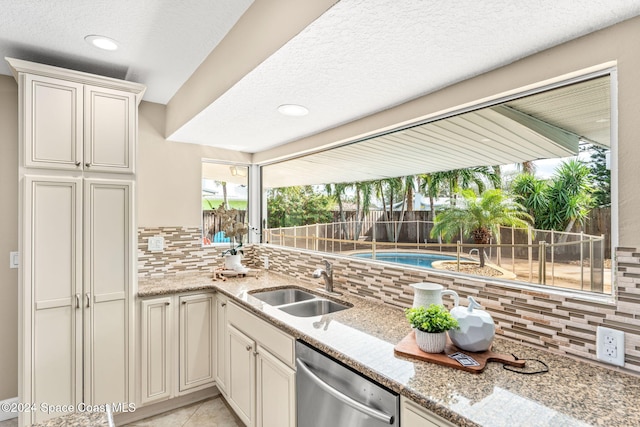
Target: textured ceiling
(161, 41)
(358, 58)
(364, 56)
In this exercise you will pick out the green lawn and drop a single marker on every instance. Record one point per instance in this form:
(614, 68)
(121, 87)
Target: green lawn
(214, 203)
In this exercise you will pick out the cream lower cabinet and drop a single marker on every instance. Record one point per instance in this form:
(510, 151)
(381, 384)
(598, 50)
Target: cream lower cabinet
(197, 341)
(77, 274)
(260, 368)
(242, 378)
(222, 375)
(275, 391)
(177, 345)
(414, 415)
(156, 351)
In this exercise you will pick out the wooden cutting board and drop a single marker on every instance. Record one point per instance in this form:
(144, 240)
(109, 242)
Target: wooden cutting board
(409, 348)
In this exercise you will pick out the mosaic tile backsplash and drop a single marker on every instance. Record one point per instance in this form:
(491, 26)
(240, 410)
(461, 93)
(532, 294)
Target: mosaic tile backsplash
(183, 252)
(561, 323)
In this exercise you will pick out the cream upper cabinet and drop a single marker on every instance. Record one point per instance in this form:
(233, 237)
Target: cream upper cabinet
(76, 121)
(53, 123)
(109, 130)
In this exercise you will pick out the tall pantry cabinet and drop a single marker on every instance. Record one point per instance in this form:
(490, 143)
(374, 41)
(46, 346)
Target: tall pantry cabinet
(77, 239)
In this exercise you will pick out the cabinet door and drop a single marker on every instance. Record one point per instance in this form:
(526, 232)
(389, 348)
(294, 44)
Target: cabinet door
(110, 123)
(108, 276)
(413, 415)
(275, 392)
(52, 364)
(197, 341)
(241, 386)
(52, 123)
(222, 373)
(156, 337)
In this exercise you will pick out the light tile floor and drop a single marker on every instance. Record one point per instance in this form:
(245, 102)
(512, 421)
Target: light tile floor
(9, 423)
(208, 413)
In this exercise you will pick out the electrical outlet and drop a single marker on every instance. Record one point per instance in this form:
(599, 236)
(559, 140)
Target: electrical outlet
(610, 345)
(155, 244)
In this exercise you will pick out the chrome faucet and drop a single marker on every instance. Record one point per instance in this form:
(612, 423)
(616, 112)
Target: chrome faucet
(326, 274)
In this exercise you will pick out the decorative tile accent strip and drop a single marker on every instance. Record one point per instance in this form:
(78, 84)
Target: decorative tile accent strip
(183, 252)
(556, 322)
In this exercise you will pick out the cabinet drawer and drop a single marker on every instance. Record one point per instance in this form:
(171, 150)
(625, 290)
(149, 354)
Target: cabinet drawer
(413, 415)
(277, 342)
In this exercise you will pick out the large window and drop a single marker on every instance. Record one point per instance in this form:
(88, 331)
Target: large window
(224, 185)
(389, 187)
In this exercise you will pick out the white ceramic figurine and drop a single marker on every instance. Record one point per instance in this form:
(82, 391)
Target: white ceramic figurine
(476, 330)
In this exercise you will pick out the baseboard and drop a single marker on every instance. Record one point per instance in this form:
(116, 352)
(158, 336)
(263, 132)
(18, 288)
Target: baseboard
(8, 415)
(164, 406)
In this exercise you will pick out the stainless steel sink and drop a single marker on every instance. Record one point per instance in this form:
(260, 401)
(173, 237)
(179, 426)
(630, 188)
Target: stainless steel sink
(315, 307)
(298, 302)
(283, 296)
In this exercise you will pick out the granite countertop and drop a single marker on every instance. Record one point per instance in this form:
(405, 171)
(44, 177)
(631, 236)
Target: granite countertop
(572, 393)
(77, 419)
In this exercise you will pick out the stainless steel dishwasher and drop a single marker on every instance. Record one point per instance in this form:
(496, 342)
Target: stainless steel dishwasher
(329, 394)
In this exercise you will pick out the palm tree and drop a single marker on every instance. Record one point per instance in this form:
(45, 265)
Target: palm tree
(460, 179)
(561, 202)
(364, 193)
(338, 192)
(431, 184)
(533, 194)
(390, 191)
(480, 218)
(569, 196)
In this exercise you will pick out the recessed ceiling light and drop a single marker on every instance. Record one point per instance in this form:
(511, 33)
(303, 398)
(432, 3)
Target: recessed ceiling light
(102, 42)
(294, 110)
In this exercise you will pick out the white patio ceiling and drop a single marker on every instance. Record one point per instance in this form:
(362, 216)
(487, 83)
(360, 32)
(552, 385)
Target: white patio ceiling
(546, 125)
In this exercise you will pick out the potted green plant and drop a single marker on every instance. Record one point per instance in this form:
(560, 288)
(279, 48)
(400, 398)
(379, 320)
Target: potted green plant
(234, 230)
(431, 325)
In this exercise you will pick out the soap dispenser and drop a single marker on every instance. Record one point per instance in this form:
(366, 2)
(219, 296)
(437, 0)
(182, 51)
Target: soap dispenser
(476, 329)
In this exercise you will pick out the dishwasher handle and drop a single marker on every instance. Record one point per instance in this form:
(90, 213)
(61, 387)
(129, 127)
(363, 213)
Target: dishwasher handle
(373, 413)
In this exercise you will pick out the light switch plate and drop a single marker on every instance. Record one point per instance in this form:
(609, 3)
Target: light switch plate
(14, 259)
(155, 244)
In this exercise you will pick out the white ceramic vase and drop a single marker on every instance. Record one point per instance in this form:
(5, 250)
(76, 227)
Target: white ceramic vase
(431, 342)
(232, 261)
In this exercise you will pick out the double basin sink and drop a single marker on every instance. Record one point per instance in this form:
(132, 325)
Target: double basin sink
(299, 303)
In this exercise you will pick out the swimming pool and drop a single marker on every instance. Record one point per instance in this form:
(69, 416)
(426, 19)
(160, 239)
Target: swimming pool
(408, 258)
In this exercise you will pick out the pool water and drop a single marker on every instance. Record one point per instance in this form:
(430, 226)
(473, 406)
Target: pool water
(408, 258)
